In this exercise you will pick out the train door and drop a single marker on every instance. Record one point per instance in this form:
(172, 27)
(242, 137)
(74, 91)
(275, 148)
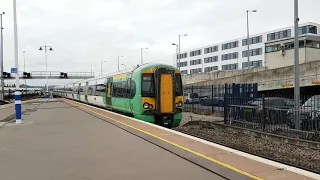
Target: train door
(109, 93)
(128, 98)
(79, 90)
(165, 91)
(86, 93)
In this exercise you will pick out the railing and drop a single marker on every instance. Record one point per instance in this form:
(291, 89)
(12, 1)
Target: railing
(242, 106)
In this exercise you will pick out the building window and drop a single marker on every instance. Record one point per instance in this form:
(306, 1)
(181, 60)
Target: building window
(273, 48)
(195, 62)
(313, 44)
(184, 72)
(308, 29)
(253, 40)
(230, 67)
(230, 45)
(252, 52)
(195, 71)
(183, 64)
(313, 29)
(252, 64)
(195, 53)
(184, 55)
(209, 69)
(229, 56)
(279, 35)
(211, 59)
(211, 49)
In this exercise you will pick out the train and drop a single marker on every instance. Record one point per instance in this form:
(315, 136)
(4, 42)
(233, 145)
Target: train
(150, 92)
(9, 91)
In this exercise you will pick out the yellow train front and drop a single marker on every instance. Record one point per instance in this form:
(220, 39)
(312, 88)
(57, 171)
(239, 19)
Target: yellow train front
(161, 95)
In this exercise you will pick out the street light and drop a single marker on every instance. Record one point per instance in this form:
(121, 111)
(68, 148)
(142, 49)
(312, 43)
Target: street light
(177, 48)
(1, 60)
(248, 45)
(119, 62)
(24, 68)
(180, 46)
(16, 51)
(101, 66)
(141, 55)
(46, 59)
(296, 66)
(125, 67)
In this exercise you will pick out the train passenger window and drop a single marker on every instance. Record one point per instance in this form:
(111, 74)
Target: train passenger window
(120, 89)
(132, 89)
(178, 85)
(101, 90)
(147, 85)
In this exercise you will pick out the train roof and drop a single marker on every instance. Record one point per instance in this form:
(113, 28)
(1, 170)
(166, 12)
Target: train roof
(125, 71)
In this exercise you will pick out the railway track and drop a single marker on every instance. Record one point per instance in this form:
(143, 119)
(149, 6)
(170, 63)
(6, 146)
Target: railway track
(210, 125)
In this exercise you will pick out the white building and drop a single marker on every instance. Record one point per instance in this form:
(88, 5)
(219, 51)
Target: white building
(232, 54)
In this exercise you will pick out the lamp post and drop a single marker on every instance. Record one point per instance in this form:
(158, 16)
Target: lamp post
(15, 40)
(119, 62)
(180, 46)
(46, 59)
(101, 67)
(248, 45)
(142, 55)
(1, 60)
(24, 68)
(296, 66)
(91, 71)
(125, 67)
(177, 49)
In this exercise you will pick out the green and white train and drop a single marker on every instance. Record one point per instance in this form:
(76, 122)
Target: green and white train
(151, 92)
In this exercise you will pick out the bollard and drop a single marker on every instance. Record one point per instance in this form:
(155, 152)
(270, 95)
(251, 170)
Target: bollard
(18, 106)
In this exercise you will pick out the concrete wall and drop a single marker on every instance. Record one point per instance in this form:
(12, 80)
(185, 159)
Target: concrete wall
(194, 78)
(312, 54)
(275, 59)
(268, 79)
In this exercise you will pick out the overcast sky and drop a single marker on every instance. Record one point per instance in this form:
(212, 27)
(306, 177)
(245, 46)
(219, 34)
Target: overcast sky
(84, 32)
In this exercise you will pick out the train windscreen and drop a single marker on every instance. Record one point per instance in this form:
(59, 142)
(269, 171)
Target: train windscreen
(178, 85)
(147, 85)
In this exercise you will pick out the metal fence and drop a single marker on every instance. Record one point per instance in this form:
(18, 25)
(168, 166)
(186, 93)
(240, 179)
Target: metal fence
(241, 105)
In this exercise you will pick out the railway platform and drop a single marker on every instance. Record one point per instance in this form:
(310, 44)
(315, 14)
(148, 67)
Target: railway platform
(66, 140)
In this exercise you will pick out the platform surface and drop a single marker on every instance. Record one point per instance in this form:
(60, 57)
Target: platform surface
(59, 141)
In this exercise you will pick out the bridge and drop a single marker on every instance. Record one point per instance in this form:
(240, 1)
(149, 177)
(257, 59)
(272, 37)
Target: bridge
(51, 75)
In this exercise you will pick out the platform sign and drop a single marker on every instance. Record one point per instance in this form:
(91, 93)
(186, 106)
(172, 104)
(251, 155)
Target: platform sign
(13, 70)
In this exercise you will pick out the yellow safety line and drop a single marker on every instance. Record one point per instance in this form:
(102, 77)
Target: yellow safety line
(177, 145)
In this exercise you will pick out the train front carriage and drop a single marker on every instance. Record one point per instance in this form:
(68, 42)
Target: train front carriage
(161, 96)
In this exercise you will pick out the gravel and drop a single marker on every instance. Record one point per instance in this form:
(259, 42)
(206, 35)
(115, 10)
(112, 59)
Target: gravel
(187, 117)
(301, 157)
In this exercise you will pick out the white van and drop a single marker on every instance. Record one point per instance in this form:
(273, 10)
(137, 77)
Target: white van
(191, 98)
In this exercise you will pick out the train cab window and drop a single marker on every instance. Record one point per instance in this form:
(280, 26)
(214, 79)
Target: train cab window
(178, 85)
(147, 85)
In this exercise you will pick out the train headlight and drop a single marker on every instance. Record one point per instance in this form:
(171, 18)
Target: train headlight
(146, 105)
(179, 104)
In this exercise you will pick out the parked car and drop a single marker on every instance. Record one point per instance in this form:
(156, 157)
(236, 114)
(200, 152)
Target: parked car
(216, 100)
(309, 115)
(275, 110)
(191, 98)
